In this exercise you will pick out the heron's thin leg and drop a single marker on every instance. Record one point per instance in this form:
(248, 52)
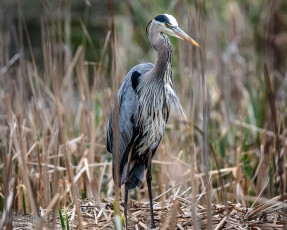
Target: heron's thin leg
(149, 179)
(127, 184)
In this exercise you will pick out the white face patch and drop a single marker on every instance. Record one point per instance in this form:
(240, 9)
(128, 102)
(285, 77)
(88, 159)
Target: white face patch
(171, 19)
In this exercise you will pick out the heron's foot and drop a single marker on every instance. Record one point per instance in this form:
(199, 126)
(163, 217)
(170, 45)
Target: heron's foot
(152, 225)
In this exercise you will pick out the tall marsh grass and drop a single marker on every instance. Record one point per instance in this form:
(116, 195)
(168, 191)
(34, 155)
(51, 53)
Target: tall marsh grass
(55, 96)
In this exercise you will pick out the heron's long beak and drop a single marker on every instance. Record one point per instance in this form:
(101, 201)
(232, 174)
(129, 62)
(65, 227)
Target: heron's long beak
(182, 35)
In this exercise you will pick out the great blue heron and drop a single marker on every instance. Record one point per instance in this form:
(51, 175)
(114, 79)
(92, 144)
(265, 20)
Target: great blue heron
(144, 100)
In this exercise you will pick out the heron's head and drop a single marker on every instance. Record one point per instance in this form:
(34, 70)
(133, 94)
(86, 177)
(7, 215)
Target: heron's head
(167, 24)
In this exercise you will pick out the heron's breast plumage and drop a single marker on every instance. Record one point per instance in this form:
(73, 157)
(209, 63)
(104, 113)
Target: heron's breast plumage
(153, 107)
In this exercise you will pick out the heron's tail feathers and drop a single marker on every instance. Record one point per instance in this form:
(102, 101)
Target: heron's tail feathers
(134, 181)
(136, 175)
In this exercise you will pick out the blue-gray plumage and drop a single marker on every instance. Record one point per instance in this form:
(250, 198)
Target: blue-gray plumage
(144, 101)
(129, 131)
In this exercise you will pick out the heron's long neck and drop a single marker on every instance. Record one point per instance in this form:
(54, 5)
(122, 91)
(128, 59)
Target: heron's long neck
(163, 65)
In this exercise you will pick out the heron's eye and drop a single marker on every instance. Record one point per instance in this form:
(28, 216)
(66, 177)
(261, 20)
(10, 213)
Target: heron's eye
(167, 24)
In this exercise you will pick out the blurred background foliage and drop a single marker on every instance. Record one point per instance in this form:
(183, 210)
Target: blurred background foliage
(40, 39)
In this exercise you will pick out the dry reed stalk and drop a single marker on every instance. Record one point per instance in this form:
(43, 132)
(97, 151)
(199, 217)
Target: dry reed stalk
(52, 204)
(271, 98)
(205, 108)
(46, 180)
(56, 176)
(66, 152)
(116, 170)
(7, 193)
(173, 214)
(24, 168)
(194, 185)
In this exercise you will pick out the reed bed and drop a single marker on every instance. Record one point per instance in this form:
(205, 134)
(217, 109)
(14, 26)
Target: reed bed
(60, 68)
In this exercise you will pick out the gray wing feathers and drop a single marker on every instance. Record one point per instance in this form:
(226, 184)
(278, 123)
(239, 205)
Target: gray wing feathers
(128, 102)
